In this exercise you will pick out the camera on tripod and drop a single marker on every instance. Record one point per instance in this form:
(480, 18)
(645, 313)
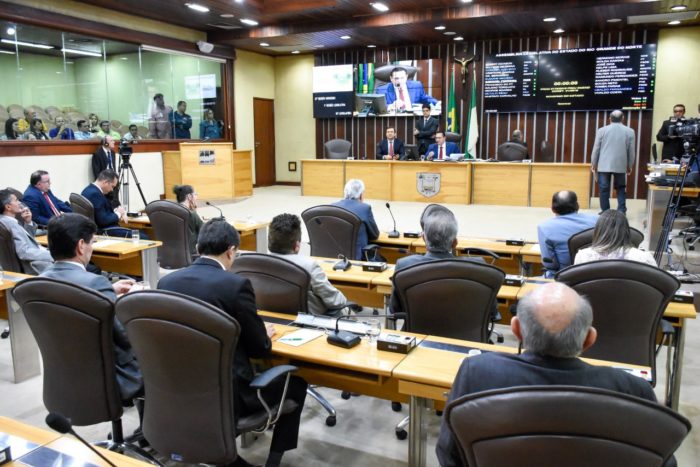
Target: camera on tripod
(125, 150)
(686, 128)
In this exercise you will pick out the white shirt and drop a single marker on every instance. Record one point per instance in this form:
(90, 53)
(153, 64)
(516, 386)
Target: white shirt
(214, 259)
(74, 263)
(633, 254)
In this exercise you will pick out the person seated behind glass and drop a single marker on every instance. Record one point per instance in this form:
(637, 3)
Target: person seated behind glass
(83, 132)
(105, 130)
(284, 240)
(11, 130)
(25, 124)
(61, 131)
(187, 197)
(94, 123)
(181, 122)
(208, 127)
(159, 126)
(133, 133)
(612, 240)
(37, 132)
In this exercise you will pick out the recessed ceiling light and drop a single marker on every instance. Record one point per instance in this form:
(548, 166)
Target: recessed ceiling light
(123, 58)
(11, 31)
(371, 46)
(70, 63)
(614, 20)
(226, 15)
(295, 51)
(26, 44)
(467, 1)
(264, 44)
(249, 22)
(458, 38)
(81, 52)
(675, 22)
(380, 7)
(549, 19)
(558, 31)
(440, 28)
(318, 46)
(449, 33)
(58, 72)
(239, 1)
(197, 7)
(679, 7)
(346, 37)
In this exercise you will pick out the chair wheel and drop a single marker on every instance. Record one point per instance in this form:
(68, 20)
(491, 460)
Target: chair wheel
(345, 395)
(330, 420)
(438, 413)
(5, 334)
(396, 406)
(401, 434)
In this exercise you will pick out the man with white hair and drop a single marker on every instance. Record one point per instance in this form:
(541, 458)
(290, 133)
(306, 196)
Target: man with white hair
(354, 202)
(613, 155)
(554, 324)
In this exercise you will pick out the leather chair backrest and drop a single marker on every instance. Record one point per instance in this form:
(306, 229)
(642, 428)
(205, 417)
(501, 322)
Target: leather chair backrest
(508, 152)
(280, 285)
(337, 149)
(73, 327)
(584, 239)
(170, 223)
(8, 255)
(81, 205)
(186, 351)
(546, 152)
(551, 426)
(628, 299)
(453, 137)
(382, 74)
(449, 297)
(337, 233)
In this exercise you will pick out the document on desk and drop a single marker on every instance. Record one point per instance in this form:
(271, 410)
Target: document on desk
(535, 248)
(105, 243)
(300, 337)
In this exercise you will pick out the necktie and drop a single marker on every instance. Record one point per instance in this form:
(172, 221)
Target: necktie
(109, 160)
(403, 98)
(391, 148)
(440, 152)
(55, 211)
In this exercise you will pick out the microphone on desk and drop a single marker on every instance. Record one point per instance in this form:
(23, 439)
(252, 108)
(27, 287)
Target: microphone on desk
(63, 425)
(221, 214)
(344, 263)
(345, 339)
(394, 233)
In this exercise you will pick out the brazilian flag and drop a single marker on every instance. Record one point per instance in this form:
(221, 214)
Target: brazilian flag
(452, 120)
(365, 78)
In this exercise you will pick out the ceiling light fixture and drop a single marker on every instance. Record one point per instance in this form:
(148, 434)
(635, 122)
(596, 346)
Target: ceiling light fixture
(440, 28)
(679, 7)
(371, 46)
(467, 1)
(123, 58)
(295, 52)
(614, 20)
(458, 38)
(380, 7)
(549, 19)
(11, 31)
(249, 22)
(197, 7)
(81, 52)
(26, 44)
(318, 46)
(558, 31)
(226, 15)
(345, 38)
(675, 22)
(264, 44)
(449, 33)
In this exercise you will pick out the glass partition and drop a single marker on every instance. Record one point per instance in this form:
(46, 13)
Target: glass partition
(63, 86)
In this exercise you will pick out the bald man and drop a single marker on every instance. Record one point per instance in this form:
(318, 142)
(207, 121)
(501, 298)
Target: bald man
(613, 155)
(554, 324)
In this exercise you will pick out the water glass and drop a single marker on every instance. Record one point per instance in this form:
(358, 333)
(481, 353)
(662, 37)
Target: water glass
(135, 236)
(141, 285)
(374, 328)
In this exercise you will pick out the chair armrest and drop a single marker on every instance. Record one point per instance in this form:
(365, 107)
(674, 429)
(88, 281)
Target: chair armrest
(480, 252)
(266, 377)
(352, 305)
(666, 327)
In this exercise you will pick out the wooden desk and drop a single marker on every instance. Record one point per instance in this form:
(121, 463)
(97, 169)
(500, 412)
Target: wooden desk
(357, 285)
(25, 352)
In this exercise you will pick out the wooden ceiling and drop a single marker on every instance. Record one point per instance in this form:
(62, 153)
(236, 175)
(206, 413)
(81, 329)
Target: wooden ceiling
(309, 25)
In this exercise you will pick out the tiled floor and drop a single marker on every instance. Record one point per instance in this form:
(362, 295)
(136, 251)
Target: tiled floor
(364, 434)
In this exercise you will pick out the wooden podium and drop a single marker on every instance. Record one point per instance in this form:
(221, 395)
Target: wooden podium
(215, 170)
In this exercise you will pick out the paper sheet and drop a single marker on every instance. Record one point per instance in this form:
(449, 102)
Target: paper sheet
(106, 243)
(535, 248)
(300, 337)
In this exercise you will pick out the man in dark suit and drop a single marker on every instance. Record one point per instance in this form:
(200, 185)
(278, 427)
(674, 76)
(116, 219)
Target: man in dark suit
(106, 218)
(41, 201)
(442, 149)
(354, 202)
(105, 158)
(554, 324)
(673, 145)
(70, 241)
(425, 130)
(390, 148)
(209, 279)
(402, 93)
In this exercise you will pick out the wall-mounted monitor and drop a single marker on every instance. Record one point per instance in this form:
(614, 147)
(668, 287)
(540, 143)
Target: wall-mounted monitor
(333, 91)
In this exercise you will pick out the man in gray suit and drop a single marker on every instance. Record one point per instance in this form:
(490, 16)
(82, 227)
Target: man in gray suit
(284, 240)
(34, 257)
(613, 155)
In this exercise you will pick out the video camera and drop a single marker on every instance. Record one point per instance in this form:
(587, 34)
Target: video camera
(686, 128)
(125, 150)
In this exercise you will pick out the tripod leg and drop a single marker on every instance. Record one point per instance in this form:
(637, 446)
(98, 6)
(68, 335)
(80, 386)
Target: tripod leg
(138, 185)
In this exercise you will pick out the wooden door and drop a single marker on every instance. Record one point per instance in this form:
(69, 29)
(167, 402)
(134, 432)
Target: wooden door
(264, 129)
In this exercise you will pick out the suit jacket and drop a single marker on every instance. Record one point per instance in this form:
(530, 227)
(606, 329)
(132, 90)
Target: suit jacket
(406, 261)
(415, 92)
(34, 257)
(128, 372)
(322, 294)
(494, 371)
(206, 280)
(673, 147)
(450, 148)
(100, 161)
(426, 130)
(553, 236)
(41, 211)
(104, 214)
(368, 229)
(613, 150)
(383, 148)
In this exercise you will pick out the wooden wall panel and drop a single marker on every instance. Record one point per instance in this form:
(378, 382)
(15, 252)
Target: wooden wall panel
(571, 134)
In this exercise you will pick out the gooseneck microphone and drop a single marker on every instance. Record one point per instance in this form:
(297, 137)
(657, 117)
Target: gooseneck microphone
(221, 213)
(340, 338)
(394, 233)
(344, 263)
(63, 425)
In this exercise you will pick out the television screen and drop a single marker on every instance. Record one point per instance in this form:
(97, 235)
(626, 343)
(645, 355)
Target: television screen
(333, 91)
(510, 82)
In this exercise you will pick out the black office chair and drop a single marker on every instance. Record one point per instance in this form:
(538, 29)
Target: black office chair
(510, 152)
(186, 349)
(333, 231)
(337, 149)
(9, 261)
(170, 223)
(447, 298)
(584, 239)
(81, 205)
(73, 327)
(546, 152)
(551, 426)
(382, 74)
(452, 137)
(628, 300)
(283, 287)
